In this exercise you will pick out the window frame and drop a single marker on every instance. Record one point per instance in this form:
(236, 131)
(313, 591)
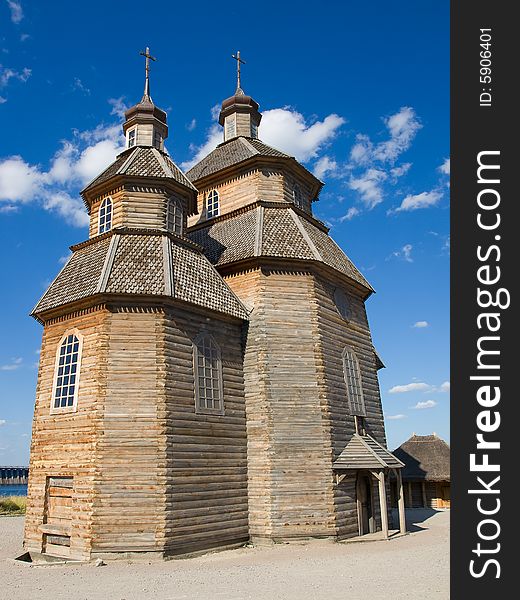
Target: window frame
(339, 295)
(211, 194)
(230, 126)
(105, 201)
(74, 406)
(297, 196)
(157, 133)
(362, 412)
(177, 202)
(134, 131)
(199, 409)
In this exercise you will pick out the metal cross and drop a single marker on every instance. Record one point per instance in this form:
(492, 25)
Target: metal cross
(239, 62)
(148, 57)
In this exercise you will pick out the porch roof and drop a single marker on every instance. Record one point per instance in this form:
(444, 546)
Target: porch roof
(363, 452)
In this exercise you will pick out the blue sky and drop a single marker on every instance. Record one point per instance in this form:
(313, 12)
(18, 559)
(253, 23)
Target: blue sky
(358, 91)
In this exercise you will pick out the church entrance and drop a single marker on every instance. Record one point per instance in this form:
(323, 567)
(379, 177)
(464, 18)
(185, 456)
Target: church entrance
(365, 504)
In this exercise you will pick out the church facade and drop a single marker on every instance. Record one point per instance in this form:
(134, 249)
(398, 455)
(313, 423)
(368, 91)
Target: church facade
(207, 373)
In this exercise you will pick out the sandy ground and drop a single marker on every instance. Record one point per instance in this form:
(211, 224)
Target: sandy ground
(415, 566)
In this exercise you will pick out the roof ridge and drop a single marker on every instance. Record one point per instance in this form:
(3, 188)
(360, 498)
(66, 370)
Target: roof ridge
(248, 143)
(305, 235)
(129, 160)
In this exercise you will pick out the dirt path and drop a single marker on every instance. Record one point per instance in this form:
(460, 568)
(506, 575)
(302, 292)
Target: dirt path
(415, 566)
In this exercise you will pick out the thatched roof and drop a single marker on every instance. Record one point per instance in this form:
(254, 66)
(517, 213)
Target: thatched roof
(426, 457)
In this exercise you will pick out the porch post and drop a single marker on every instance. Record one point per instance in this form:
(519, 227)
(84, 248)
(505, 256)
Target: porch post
(402, 514)
(382, 503)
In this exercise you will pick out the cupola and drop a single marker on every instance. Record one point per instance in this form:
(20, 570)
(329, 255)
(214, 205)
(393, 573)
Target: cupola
(145, 124)
(239, 114)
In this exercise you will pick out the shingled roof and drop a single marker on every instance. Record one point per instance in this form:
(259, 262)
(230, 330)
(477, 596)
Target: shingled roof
(142, 161)
(426, 457)
(231, 153)
(141, 263)
(363, 452)
(272, 230)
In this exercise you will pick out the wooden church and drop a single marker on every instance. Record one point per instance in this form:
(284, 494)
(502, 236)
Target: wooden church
(207, 374)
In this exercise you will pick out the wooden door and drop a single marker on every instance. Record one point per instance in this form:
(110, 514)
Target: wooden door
(58, 516)
(364, 501)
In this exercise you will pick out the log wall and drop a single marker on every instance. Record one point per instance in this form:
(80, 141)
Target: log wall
(289, 452)
(63, 444)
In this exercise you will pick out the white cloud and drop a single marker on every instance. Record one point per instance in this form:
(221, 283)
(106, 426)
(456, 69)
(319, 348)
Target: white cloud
(16, 363)
(287, 130)
(18, 181)
(2, 422)
(411, 387)
(445, 387)
(421, 324)
(423, 200)
(214, 137)
(350, 214)
(8, 208)
(191, 125)
(3, 100)
(283, 128)
(78, 85)
(405, 253)
(369, 186)
(76, 163)
(423, 405)
(399, 171)
(373, 165)
(402, 128)
(6, 74)
(395, 417)
(324, 165)
(16, 11)
(118, 107)
(445, 167)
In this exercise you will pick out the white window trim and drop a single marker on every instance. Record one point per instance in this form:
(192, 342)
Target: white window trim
(358, 370)
(218, 204)
(200, 410)
(108, 198)
(128, 137)
(67, 409)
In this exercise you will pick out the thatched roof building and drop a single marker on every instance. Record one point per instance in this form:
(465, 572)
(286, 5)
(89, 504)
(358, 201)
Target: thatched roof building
(426, 473)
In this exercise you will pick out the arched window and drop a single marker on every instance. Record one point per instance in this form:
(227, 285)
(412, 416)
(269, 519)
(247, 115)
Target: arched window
(352, 375)
(174, 216)
(105, 216)
(209, 394)
(297, 196)
(212, 204)
(66, 376)
(342, 303)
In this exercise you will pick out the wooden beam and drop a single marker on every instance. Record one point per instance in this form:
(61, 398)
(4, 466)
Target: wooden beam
(423, 490)
(382, 502)
(400, 491)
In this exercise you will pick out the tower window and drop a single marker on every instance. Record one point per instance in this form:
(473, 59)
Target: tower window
(105, 216)
(212, 204)
(254, 130)
(297, 196)
(157, 138)
(208, 375)
(66, 376)
(230, 127)
(174, 216)
(342, 303)
(352, 375)
(131, 138)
